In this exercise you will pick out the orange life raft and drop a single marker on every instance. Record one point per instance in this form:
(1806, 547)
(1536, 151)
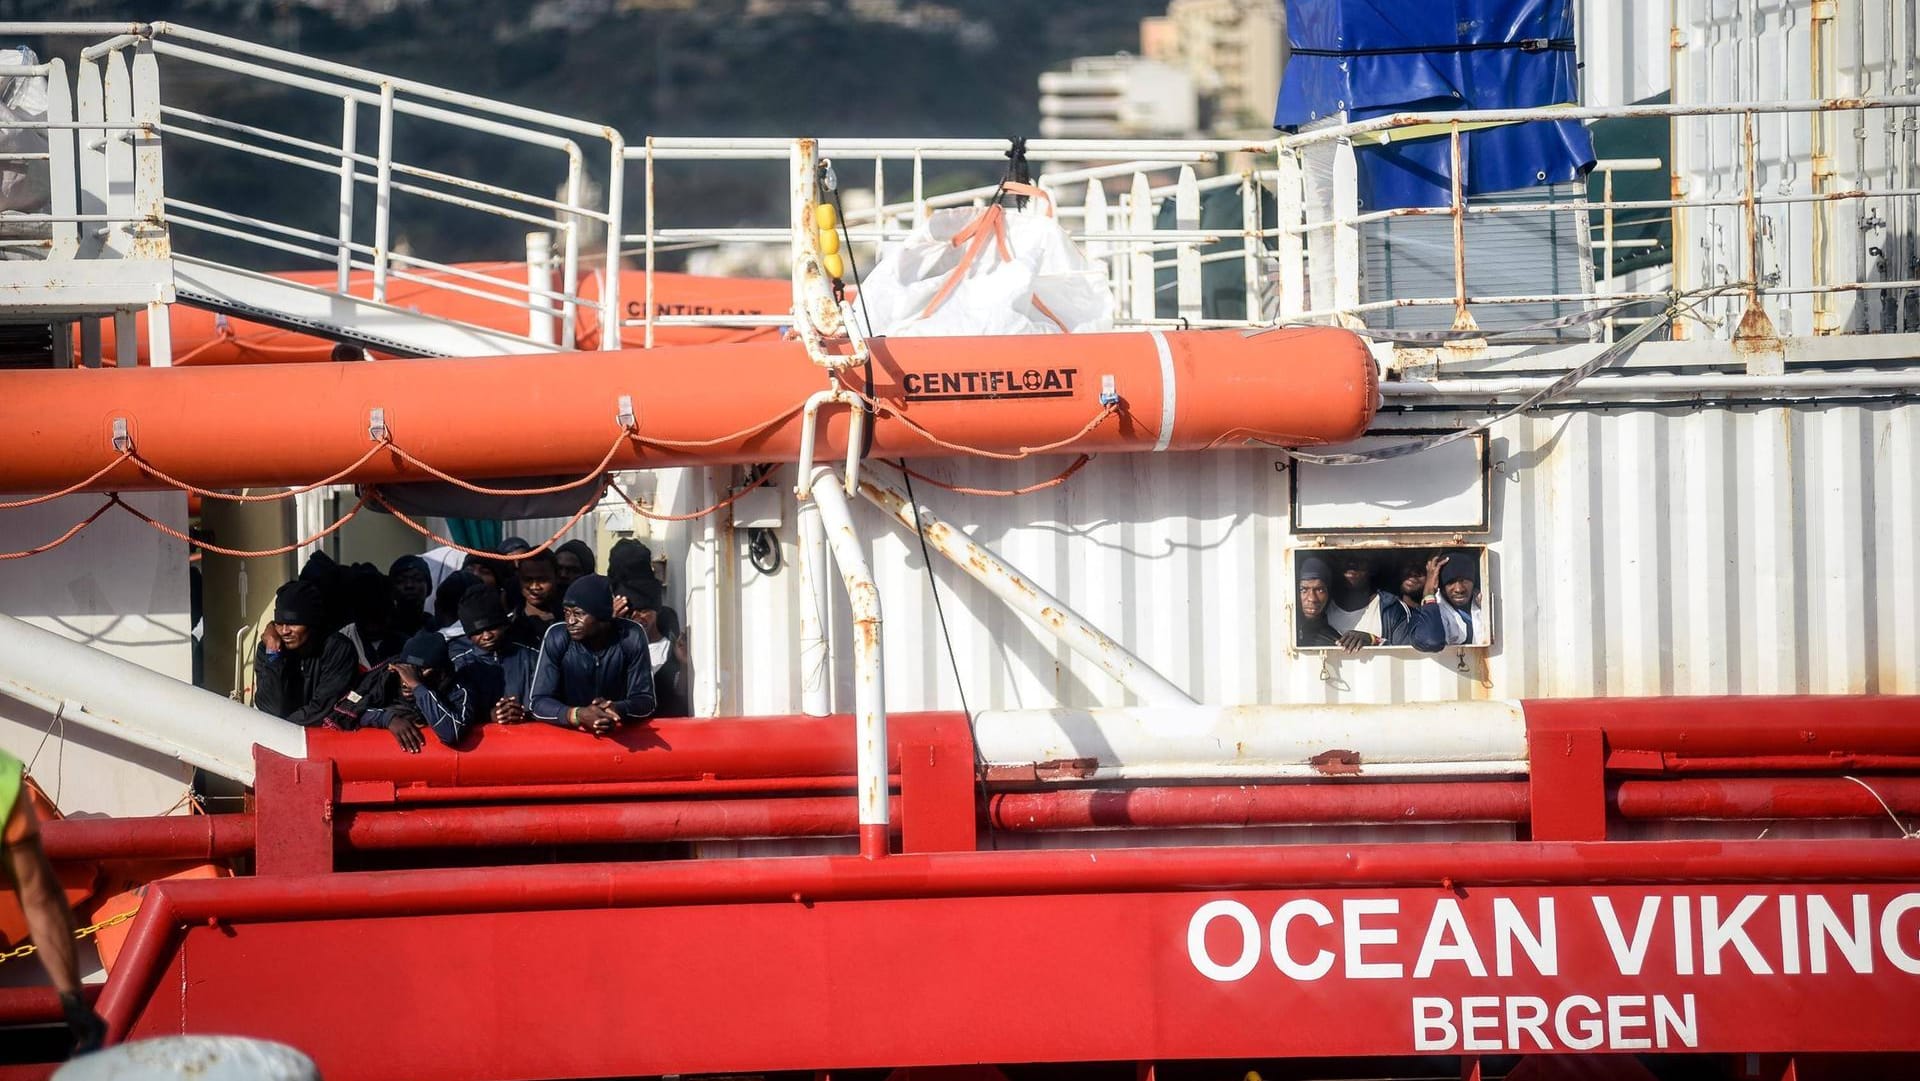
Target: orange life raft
(205, 337)
(556, 414)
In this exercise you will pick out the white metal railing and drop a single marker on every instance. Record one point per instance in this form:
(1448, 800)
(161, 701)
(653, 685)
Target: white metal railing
(1791, 251)
(1750, 207)
(364, 256)
(1119, 231)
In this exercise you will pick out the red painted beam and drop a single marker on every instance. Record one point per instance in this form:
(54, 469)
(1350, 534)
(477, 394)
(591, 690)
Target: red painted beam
(532, 793)
(1742, 725)
(663, 750)
(174, 837)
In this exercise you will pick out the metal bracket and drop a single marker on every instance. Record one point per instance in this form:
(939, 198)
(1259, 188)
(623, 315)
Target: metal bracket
(377, 425)
(1109, 396)
(625, 415)
(122, 438)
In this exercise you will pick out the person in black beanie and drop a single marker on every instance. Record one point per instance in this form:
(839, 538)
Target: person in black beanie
(573, 560)
(426, 673)
(540, 597)
(412, 582)
(593, 671)
(495, 670)
(370, 627)
(446, 602)
(295, 678)
(1315, 582)
(666, 648)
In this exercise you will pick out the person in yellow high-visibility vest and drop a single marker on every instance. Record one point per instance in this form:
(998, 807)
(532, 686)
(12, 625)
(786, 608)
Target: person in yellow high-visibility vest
(49, 920)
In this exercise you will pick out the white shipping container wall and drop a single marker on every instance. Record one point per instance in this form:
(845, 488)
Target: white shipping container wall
(1708, 551)
(1764, 50)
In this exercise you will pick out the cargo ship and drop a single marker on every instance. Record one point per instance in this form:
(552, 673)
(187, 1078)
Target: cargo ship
(1048, 718)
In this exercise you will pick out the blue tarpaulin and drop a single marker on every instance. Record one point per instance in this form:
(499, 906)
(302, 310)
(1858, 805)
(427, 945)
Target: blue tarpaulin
(1366, 58)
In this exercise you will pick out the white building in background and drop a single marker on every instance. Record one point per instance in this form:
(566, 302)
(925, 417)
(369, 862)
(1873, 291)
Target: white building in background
(1234, 49)
(1102, 97)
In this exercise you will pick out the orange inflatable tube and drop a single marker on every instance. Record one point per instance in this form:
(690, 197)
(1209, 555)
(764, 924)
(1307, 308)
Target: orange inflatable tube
(556, 414)
(204, 337)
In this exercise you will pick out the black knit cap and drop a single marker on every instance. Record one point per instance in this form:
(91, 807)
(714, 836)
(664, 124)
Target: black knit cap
(299, 603)
(426, 649)
(481, 610)
(593, 595)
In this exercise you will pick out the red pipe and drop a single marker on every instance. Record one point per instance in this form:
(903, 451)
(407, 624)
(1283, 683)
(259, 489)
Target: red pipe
(600, 823)
(1837, 762)
(1260, 805)
(173, 837)
(1769, 797)
(37, 1005)
(1741, 726)
(806, 879)
(616, 790)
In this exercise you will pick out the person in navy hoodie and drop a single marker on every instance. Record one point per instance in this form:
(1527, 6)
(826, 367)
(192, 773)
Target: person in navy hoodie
(1450, 612)
(593, 672)
(496, 671)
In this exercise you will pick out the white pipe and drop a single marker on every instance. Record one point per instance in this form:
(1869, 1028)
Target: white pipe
(138, 705)
(1227, 742)
(869, 677)
(1007, 583)
(815, 692)
(540, 317)
(1659, 384)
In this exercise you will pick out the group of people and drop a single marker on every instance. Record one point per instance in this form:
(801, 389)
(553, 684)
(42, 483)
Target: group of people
(1353, 602)
(525, 636)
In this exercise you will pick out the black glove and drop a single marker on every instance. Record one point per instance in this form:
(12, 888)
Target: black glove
(89, 1031)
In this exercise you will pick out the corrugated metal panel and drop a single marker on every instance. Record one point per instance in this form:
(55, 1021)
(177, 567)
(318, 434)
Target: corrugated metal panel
(1765, 50)
(1710, 551)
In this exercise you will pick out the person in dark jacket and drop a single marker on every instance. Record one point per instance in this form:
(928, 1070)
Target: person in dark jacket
(446, 602)
(540, 593)
(1408, 588)
(593, 672)
(571, 561)
(439, 701)
(1451, 614)
(496, 671)
(295, 677)
(666, 647)
(370, 625)
(1314, 591)
(412, 582)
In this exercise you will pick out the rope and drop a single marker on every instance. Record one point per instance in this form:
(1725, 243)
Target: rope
(701, 513)
(269, 497)
(481, 489)
(239, 553)
(1901, 826)
(1061, 478)
(728, 438)
(69, 490)
(64, 537)
(515, 557)
(891, 409)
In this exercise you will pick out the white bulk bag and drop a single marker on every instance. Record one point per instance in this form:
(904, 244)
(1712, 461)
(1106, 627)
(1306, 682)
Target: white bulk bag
(988, 271)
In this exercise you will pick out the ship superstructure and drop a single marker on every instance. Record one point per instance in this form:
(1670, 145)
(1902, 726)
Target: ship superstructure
(1010, 755)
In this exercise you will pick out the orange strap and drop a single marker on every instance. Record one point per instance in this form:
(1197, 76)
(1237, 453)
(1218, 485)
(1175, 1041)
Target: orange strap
(991, 222)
